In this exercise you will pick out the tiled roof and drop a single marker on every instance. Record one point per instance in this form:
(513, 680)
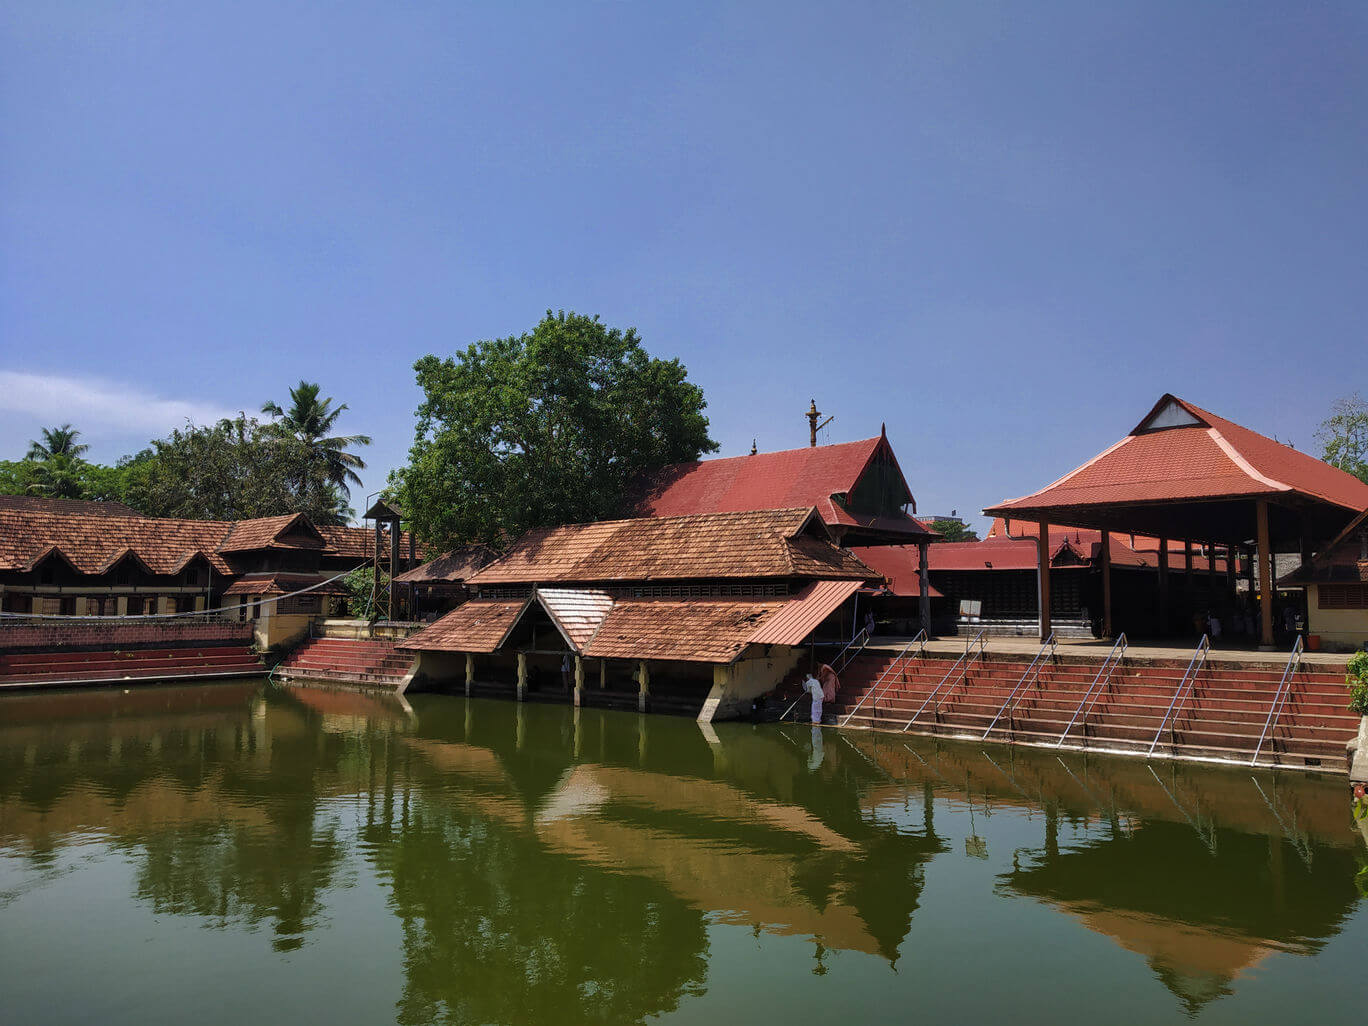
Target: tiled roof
(1200, 457)
(900, 565)
(265, 532)
(476, 626)
(41, 504)
(453, 567)
(90, 543)
(773, 480)
(767, 543)
(687, 630)
(283, 584)
(578, 612)
(359, 542)
(800, 615)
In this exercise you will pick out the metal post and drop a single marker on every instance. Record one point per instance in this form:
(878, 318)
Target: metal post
(1265, 576)
(1106, 585)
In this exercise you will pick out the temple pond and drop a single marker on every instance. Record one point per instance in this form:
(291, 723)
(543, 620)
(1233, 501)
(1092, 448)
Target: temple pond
(248, 853)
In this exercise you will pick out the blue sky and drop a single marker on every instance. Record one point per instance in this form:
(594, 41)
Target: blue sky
(1004, 229)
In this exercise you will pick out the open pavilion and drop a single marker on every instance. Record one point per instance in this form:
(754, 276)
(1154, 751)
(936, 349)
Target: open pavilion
(1186, 474)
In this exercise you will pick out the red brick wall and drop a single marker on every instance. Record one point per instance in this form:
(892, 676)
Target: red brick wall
(94, 634)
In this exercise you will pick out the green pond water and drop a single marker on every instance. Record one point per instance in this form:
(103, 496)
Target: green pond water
(245, 853)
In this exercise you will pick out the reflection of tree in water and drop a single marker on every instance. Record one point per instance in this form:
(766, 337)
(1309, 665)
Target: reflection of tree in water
(496, 929)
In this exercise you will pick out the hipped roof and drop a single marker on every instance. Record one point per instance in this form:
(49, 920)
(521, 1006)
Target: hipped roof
(453, 567)
(763, 544)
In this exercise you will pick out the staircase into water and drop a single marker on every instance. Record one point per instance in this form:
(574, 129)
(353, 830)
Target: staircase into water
(1248, 712)
(370, 661)
(67, 666)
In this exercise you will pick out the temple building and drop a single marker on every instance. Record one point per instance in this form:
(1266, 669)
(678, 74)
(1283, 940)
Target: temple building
(1336, 583)
(1185, 473)
(56, 560)
(700, 614)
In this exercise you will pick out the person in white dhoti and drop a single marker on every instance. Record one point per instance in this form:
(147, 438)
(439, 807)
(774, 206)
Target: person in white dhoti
(814, 688)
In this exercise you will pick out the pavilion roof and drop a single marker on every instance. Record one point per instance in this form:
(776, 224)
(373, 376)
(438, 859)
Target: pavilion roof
(784, 543)
(817, 476)
(1180, 455)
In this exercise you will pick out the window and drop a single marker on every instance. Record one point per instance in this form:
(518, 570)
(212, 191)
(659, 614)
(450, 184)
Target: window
(1342, 596)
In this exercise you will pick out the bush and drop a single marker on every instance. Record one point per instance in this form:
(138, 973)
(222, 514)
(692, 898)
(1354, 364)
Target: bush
(1357, 679)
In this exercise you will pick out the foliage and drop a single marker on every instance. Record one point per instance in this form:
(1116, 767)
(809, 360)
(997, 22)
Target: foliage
(954, 530)
(1344, 436)
(549, 427)
(1357, 679)
(235, 469)
(56, 443)
(360, 584)
(310, 421)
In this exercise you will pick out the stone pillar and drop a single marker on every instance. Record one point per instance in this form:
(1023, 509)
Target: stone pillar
(470, 673)
(644, 685)
(1265, 576)
(924, 585)
(1043, 561)
(522, 676)
(579, 682)
(1106, 585)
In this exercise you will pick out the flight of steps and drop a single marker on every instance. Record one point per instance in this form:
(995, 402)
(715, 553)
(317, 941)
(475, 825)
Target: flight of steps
(370, 661)
(64, 666)
(1222, 716)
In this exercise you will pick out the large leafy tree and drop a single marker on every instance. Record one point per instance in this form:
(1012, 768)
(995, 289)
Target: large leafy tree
(1344, 436)
(235, 469)
(57, 443)
(544, 428)
(310, 421)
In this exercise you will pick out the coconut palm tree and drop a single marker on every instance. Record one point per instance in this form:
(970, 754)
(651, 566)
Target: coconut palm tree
(310, 420)
(57, 442)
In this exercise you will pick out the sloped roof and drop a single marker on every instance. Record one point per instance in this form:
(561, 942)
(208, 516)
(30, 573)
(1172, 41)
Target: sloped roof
(775, 480)
(358, 542)
(686, 630)
(453, 567)
(479, 625)
(767, 543)
(576, 612)
(42, 504)
(269, 532)
(89, 543)
(1182, 452)
(1337, 561)
(283, 584)
(900, 563)
(802, 614)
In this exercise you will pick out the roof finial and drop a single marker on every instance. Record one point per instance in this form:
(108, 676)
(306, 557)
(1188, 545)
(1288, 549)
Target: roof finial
(754, 450)
(813, 426)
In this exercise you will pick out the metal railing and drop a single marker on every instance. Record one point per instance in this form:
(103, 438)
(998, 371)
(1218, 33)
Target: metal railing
(1293, 662)
(839, 662)
(919, 638)
(1184, 685)
(1099, 684)
(961, 666)
(1031, 671)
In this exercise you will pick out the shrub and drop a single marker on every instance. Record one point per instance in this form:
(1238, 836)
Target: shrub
(1357, 679)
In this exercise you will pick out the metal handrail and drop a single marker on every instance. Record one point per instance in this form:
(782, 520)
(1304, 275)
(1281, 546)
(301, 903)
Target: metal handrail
(862, 637)
(961, 661)
(1033, 668)
(1194, 666)
(919, 637)
(1099, 685)
(1293, 662)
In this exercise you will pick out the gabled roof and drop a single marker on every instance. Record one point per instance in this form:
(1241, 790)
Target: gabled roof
(454, 567)
(90, 542)
(281, 583)
(479, 625)
(764, 544)
(358, 542)
(813, 477)
(1180, 452)
(271, 533)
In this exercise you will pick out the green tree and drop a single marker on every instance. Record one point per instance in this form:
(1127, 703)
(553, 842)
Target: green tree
(57, 470)
(310, 421)
(57, 443)
(548, 427)
(235, 469)
(954, 530)
(1344, 436)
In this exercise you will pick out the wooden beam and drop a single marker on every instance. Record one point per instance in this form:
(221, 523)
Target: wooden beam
(1265, 576)
(1106, 585)
(1043, 561)
(924, 586)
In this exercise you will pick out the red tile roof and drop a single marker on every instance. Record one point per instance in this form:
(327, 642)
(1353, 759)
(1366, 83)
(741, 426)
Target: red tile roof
(479, 625)
(761, 544)
(453, 567)
(273, 533)
(1199, 457)
(577, 612)
(359, 542)
(900, 565)
(686, 630)
(799, 616)
(284, 584)
(92, 543)
(775, 480)
(42, 504)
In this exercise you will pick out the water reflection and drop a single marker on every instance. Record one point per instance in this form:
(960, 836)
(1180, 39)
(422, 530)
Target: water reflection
(545, 863)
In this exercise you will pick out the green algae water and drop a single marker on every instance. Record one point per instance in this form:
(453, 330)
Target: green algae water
(243, 853)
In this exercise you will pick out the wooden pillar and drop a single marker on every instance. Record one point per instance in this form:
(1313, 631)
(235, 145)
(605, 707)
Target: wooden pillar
(394, 570)
(1187, 570)
(924, 585)
(579, 681)
(1106, 585)
(470, 673)
(1211, 569)
(644, 685)
(1232, 559)
(1043, 559)
(1265, 576)
(1163, 587)
(603, 674)
(522, 676)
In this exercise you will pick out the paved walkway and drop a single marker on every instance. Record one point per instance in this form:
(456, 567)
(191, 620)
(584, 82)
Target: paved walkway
(1028, 647)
